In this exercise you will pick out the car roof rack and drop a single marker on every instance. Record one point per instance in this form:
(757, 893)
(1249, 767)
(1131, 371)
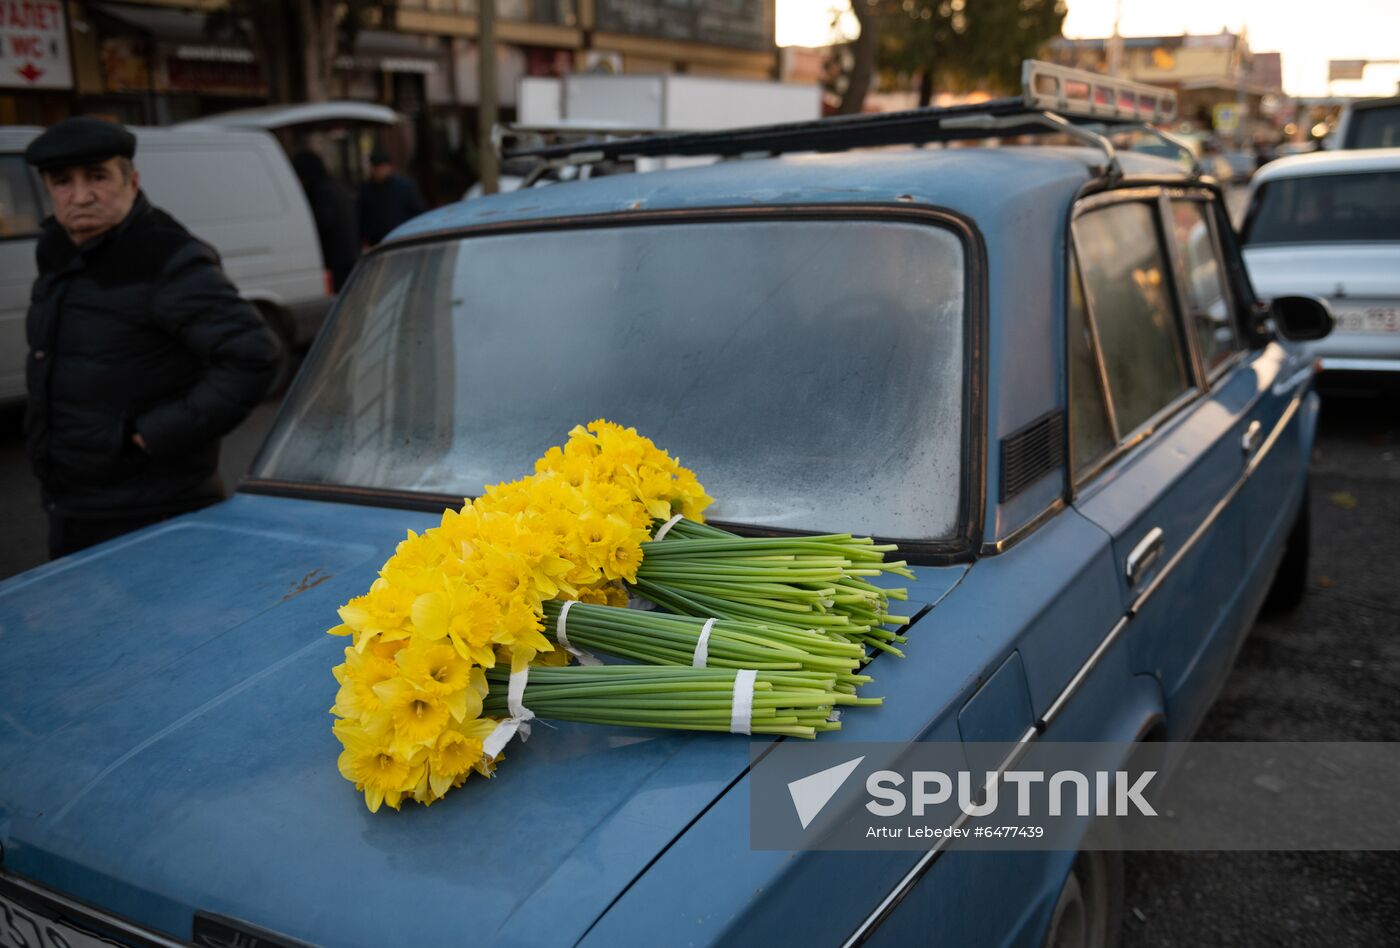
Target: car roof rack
(1054, 99)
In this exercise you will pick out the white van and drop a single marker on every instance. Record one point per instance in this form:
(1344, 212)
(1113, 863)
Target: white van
(235, 190)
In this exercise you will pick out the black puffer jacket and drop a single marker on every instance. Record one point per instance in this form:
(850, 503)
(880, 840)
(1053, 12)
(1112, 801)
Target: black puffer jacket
(137, 330)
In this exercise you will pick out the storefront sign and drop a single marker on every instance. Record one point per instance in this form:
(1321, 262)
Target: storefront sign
(1345, 69)
(741, 24)
(34, 46)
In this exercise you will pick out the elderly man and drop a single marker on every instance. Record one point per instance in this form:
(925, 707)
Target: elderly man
(142, 355)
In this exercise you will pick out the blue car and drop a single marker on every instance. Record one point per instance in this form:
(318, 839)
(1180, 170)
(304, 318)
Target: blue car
(1040, 370)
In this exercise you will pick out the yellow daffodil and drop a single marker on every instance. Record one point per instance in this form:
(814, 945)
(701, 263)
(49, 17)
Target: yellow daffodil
(469, 592)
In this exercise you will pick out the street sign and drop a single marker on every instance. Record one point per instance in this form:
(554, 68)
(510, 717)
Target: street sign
(1226, 118)
(34, 46)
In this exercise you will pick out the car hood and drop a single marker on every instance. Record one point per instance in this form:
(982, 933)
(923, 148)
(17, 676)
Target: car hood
(1367, 271)
(165, 748)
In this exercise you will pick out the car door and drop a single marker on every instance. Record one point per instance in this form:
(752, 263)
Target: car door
(1155, 447)
(1272, 439)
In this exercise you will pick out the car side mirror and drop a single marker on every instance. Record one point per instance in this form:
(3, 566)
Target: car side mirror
(1301, 318)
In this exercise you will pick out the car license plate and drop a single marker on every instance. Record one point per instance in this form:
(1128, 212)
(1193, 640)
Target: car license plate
(1368, 319)
(22, 928)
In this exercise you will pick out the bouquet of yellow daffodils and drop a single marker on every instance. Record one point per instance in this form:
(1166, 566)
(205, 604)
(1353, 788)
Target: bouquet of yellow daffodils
(436, 679)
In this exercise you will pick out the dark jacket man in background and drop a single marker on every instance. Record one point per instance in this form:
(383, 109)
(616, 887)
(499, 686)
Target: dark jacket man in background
(387, 199)
(141, 352)
(333, 208)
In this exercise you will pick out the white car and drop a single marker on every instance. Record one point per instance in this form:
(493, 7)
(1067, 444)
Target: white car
(1328, 225)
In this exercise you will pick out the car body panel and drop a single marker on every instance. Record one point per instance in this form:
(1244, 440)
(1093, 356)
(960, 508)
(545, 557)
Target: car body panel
(1332, 271)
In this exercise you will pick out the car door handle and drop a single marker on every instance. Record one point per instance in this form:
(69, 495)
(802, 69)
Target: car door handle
(1250, 442)
(1147, 552)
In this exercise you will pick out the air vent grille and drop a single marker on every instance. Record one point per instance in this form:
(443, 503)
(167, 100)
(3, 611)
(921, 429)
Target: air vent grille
(1031, 453)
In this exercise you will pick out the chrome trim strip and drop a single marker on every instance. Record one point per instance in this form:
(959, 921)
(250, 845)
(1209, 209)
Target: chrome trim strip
(1234, 359)
(920, 868)
(1360, 365)
(1024, 530)
(80, 910)
(1139, 434)
(1274, 435)
(1147, 192)
(1062, 699)
(912, 877)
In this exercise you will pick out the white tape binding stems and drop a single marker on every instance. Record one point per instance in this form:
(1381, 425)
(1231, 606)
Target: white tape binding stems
(559, 632)
(665, 528)
(519, 714)
(584, 657)
(702, 645)
(741, 716)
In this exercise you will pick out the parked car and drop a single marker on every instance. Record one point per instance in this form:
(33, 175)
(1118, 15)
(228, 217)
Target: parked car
(1370, 123)
(1040, 370)
(1241, 165)
(235, 190)
(1328, 225)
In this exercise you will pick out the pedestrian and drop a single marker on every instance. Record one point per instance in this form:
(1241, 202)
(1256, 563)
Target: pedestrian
(334, 210)
(141, 356)
(387, 199)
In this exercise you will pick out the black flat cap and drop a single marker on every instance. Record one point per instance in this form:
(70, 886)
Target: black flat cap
(80, 140)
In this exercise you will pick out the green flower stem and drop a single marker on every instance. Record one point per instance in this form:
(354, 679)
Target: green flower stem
(671, 640)
(795, 704)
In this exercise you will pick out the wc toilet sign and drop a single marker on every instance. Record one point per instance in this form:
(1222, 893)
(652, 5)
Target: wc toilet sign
(34, 45)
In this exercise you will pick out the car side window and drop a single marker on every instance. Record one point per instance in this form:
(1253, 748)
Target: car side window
(1091, 430)
(19, 206)
(1207, 299)
(1127, 285)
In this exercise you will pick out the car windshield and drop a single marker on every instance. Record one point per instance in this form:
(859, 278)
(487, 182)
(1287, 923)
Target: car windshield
(810, 371)
(1326, 208)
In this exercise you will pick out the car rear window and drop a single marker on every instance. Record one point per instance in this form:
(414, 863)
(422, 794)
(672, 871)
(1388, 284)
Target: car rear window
(1326, 208)
(1375, 127)
(811, 371)
(20, 212)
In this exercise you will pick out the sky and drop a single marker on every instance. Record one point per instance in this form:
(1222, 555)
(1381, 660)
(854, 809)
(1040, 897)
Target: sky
(1307, 32)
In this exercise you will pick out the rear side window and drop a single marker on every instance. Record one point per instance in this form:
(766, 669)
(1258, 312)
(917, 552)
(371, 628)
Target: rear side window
(1127, 286)
(19, 205)
(1207, 300)
(1326, 208)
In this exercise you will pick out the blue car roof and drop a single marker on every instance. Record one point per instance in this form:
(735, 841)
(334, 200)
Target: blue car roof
(974, 182)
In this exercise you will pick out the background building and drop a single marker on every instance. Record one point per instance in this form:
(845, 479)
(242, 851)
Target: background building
(156, 62)
(1221, 84)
